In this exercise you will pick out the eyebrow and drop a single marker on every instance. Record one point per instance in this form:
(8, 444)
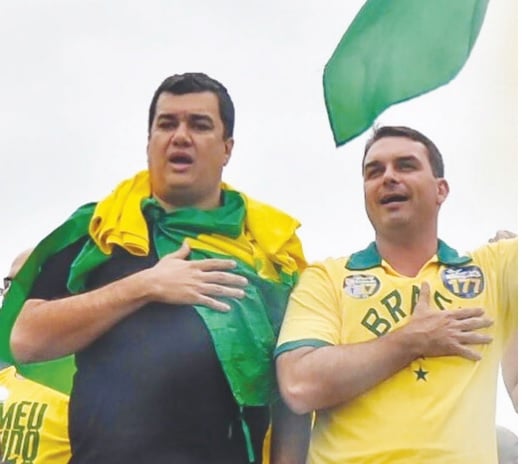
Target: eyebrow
(192, 116)
(408, 158)
(201, 117)
(399, 159)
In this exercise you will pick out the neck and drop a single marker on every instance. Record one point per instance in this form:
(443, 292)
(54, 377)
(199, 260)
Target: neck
(180, 201)
(407, 255)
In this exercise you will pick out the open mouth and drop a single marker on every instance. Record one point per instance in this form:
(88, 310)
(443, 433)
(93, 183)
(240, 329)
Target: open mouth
(393, 199)
(181, 159)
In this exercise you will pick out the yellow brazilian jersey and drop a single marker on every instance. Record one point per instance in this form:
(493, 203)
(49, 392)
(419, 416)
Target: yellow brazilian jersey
(438, 410)
(33, 421)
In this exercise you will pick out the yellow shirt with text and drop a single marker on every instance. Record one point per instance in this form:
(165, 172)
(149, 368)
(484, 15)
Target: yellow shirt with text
(438, 410)
(33, 421)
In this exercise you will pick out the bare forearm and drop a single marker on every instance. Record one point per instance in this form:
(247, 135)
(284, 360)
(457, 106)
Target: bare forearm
(510, 370)
(55, 328)
(319, 378)
(513, 394)
(51, 329)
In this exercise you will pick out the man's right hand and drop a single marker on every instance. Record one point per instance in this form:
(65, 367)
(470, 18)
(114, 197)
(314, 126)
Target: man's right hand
(175, 280)
(49, 329)
(447, 332)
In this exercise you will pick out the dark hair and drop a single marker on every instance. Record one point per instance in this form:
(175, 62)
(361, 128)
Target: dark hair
(434, 156)
(180, 84)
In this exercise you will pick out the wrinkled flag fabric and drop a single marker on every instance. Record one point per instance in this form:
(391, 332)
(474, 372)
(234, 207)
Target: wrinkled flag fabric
(395, 50)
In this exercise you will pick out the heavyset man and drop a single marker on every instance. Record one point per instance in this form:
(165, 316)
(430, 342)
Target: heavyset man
(397, 346)
(171, 302)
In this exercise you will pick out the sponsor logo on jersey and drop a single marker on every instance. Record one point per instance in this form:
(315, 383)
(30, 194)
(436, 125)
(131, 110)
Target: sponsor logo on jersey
(465, 282)
(361, 285)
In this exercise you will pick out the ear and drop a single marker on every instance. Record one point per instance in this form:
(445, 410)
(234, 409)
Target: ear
(442, 190)
(147, 151)
(229, 144)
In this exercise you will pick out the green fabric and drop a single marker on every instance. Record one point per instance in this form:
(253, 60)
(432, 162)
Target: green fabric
(58, 373)
(395, 50)
(450, 256)
(370, 257)
(244, 337)
(226, 220)
(291, 346)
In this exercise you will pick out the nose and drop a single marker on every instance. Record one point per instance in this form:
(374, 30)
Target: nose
(181, 136)
(390, 175)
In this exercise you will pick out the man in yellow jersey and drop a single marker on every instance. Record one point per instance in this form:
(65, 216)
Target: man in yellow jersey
(33, 418)
(397, 347)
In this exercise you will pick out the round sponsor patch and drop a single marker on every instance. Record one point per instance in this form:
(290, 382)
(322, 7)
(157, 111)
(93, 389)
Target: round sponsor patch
(361, 285)
(465, 282)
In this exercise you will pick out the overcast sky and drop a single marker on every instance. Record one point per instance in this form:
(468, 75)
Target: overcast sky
(77, 78)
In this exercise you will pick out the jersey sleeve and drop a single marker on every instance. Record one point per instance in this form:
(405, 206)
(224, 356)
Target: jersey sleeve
(500, 260)
(313, 316)
(508, 285)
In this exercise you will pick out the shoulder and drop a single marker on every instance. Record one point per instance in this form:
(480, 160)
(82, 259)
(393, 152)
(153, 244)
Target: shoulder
(260, 211)
(329, 272)
(496, 252)
(329, 265)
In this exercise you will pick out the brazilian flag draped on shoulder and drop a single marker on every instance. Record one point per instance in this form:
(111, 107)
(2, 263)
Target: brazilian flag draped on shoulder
(395, 50)
(260, 238)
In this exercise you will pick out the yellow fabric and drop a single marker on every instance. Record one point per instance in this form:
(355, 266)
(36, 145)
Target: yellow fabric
(266, 446)
(117, 220)
(33, 421)
(268, 239)
(448, 417)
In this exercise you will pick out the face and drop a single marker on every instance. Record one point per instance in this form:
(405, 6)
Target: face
(187, 150)
(401, 193)
(16, 265)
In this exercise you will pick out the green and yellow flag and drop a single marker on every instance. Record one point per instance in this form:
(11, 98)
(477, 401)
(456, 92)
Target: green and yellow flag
(259, 237)
(395, 50)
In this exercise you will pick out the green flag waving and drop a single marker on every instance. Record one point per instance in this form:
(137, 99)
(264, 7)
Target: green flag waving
(395, 50)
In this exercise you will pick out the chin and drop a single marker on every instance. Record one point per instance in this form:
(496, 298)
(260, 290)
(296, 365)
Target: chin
(396, 224)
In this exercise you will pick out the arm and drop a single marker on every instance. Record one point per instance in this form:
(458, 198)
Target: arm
(510, 359)
(510, 370)
(502, 234)
(290, 435)
(317, 378)
(48, 329)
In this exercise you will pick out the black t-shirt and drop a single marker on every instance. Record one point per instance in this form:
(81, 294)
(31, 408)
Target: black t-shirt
(151, 389)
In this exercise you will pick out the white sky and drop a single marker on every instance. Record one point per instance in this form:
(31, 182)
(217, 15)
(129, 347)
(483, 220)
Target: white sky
(77, 78)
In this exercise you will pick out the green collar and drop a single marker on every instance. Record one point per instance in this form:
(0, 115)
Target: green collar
(370, 257)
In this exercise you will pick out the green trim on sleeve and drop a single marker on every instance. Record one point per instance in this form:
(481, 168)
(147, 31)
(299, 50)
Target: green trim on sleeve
(290, 346)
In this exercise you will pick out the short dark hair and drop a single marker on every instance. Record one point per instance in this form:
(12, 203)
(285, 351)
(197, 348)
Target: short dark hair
(193, 82)
(434, 156)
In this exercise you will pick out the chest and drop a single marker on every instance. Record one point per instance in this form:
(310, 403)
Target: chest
(375, 302)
